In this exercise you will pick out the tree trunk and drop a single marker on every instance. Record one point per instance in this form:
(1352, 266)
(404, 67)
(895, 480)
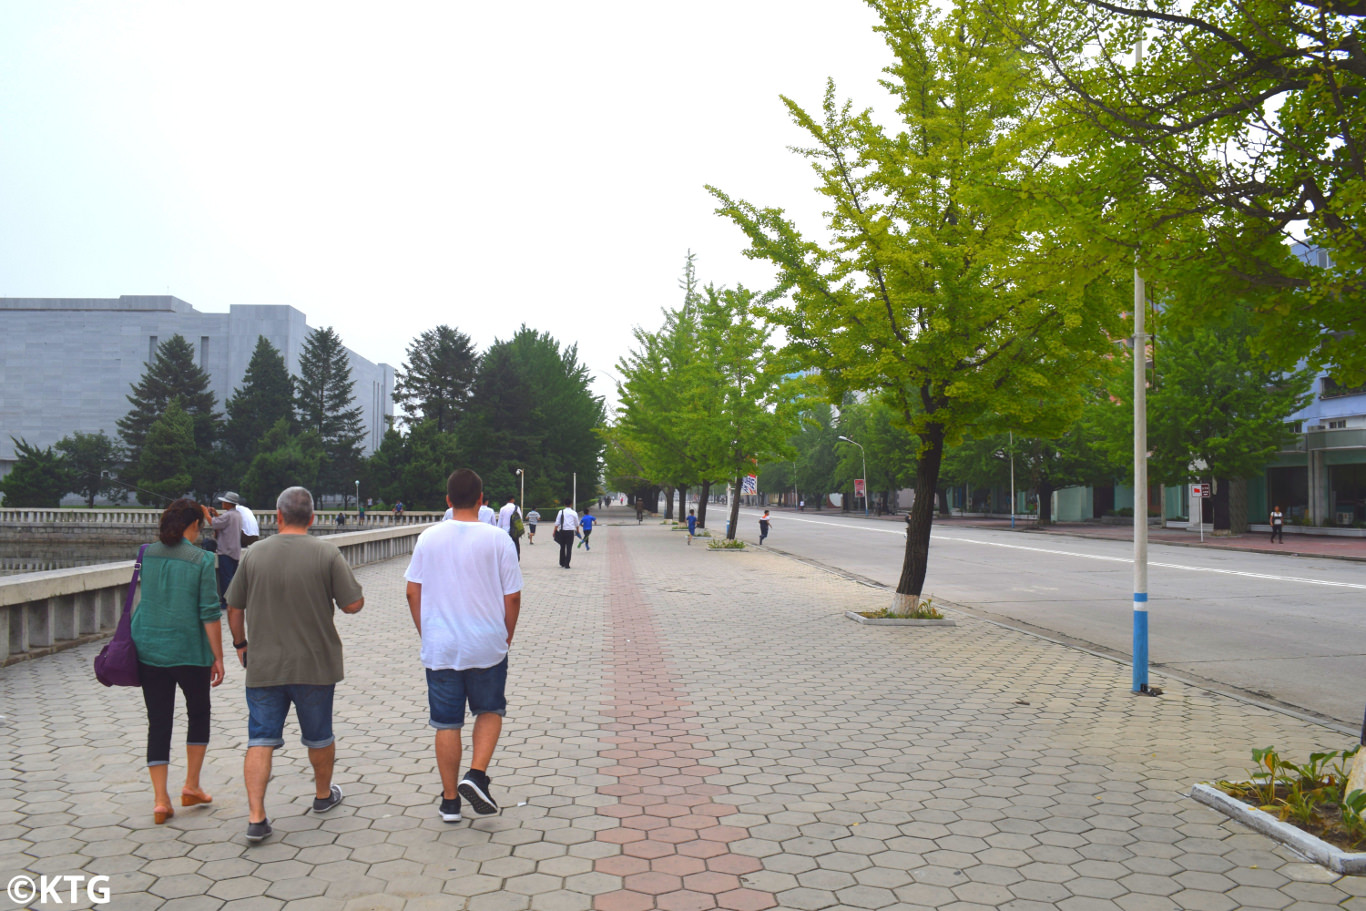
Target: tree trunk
(733, 524)
(941, 495)
(702, 499)
(1237, 506)
(668, 502)
(1045, 494)
(682, 503)
(919, 522)
(1219, 504)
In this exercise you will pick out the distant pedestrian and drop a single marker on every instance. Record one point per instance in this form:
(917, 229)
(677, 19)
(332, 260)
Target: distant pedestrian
(177, 629)
(764, 524)
(802, 507)
(566, 528)
(640, 510)
(532, 519)
(486, 513)
(586, 523)
(227, 530)
(285, 595)
(692, 525)
(1277, 524)
(509, 516)
(341, 520)
(465, 595)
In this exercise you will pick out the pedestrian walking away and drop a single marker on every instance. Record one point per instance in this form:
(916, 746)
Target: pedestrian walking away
(765, 523)
(486, 513)
(510, 521)
(586, 523)
(1277, 524)
(692, 525)
(640, 510)
(566, 529)
(177, 630)
(465, 595)
(284, 598)
(532, 518)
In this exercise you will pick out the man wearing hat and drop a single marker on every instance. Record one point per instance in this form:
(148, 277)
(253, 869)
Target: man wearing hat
(227, 527)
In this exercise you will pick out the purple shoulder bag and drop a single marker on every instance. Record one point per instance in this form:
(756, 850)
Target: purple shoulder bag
(117, 662)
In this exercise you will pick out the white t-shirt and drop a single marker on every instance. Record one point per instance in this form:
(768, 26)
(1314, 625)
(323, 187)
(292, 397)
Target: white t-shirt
(487, 515)
(465, 569)
(505, 517)
(567, 520)
(249, 524)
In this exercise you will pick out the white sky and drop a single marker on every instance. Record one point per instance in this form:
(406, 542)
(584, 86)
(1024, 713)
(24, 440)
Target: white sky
(386, 168)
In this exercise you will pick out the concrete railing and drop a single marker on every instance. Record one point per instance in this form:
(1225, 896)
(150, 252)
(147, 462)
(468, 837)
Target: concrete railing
(151, 517)
(48, 610)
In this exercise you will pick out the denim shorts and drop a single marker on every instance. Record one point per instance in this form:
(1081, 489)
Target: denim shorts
(448, 691)
(267, 707)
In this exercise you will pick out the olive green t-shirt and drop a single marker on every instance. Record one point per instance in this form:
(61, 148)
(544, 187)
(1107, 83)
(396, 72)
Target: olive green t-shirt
(288, 586)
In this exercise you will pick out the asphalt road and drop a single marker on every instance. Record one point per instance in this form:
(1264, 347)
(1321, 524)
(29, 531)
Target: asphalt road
(1276, 628)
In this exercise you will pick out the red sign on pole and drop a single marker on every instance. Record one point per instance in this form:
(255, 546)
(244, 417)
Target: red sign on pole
(858, 487)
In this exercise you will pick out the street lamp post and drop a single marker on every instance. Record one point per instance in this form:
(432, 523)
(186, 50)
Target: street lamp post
(864, 456)
(521, 495)
(359, 515)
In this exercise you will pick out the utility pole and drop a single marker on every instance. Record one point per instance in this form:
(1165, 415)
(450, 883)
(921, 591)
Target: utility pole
(1140, 351)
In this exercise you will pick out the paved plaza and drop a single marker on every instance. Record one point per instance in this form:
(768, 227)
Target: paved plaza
(687, 730)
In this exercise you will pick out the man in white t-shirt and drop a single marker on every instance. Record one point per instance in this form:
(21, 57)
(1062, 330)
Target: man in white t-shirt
(465, 594)
(505, 522)
(486, 513)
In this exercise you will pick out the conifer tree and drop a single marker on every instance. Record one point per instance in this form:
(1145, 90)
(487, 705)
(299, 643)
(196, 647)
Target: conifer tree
(174, 374)
(163, 466)
(39, 477)
(92, 459)
(324, 402)
(436, 383)
(265, 396)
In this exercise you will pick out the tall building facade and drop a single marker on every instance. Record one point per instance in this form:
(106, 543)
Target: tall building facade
(68, 364)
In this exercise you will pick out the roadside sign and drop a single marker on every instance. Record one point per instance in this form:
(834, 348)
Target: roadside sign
(858, 487)
(1201, 490)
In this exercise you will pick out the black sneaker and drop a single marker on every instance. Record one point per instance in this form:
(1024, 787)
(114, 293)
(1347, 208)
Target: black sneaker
(474, 787)
(450, 808)
(326, 803)
(258, 831)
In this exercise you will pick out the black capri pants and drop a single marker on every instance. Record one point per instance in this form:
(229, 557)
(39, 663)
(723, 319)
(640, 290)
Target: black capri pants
(158, 692)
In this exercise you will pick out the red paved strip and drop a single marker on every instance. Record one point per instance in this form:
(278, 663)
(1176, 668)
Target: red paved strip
(672, 834)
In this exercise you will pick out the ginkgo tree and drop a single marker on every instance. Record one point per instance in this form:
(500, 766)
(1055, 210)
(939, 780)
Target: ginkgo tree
(940, 283)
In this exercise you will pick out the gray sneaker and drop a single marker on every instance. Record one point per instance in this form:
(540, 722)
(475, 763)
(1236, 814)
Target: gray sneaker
(326, 803)
(258, 831)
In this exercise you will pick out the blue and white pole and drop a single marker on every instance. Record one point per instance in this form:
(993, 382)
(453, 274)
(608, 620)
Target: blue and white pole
(1140, 488)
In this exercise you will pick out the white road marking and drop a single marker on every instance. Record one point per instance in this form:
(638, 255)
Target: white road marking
(1070, 553)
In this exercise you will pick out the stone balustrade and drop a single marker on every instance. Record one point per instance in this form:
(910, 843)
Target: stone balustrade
(150, 517)
(49, 610)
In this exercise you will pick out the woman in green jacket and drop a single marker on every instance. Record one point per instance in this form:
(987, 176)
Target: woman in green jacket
(177, 631)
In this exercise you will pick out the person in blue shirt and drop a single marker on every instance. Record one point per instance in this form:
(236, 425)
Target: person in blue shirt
(586, 523)
(692, 525)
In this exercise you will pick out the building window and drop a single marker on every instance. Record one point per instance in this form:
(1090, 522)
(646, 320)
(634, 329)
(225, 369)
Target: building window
(1297, 426)
(203, 352)
(1337, 425)
(1332, 389)
(151, 349)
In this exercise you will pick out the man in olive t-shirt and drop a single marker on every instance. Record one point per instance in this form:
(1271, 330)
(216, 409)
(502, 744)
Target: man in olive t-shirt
(284, 594)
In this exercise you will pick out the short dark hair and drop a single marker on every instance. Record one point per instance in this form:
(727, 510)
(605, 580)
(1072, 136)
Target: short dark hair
(177, 517)
(512, 498)
(464, 489)
(296, 506)
(568, 502)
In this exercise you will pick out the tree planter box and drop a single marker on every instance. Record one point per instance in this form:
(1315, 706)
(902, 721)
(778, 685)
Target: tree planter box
(728, 550)
(1298, 840)
(896, 621)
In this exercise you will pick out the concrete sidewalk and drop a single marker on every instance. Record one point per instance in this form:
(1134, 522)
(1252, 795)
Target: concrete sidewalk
(687, 730)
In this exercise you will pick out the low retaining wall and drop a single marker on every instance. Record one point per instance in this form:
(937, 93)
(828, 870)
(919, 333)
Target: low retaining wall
(45, 611)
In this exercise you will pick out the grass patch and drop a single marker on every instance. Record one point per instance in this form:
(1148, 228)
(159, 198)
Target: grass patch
(723, 544)
(925, 610)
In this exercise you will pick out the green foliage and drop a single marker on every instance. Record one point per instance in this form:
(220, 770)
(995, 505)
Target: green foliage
(163, 465)
(93, 461)
(1242, 115)
(1312, 795)
(947, 287)
(428, 459)
(39, 478)
(285, 457)
(265, 397)
(436, 383)
(324, 404)
(174, 374)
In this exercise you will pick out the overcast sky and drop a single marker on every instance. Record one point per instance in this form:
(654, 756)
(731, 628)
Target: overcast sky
(387, 168)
